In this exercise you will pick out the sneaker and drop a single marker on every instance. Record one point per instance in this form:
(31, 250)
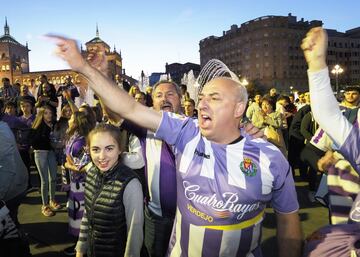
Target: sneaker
(54, 205)
(311, 196)
(70, 251)
(46, 211)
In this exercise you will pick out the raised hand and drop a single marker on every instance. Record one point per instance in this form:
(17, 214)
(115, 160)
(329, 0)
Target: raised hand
(326, 161)
(68, 50)
(97, 59)
(314, 46)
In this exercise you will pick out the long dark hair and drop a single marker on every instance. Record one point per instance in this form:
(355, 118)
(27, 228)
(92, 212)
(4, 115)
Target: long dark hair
(81, 125)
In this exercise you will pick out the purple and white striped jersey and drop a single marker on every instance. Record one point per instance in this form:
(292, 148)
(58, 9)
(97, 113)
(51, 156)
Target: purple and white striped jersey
(351, 146)
(223, 191)
(160, 171)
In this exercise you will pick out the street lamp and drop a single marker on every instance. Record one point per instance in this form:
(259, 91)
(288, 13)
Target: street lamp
(337, 70)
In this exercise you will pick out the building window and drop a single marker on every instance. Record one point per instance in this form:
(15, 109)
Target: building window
(7, 67)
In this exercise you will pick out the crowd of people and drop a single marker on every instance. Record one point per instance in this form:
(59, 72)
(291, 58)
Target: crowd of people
(155, 174)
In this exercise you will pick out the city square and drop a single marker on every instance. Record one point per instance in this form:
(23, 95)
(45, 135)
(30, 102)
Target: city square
(180, 129)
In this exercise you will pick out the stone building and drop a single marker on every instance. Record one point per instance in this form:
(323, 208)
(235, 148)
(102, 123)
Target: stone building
(15, 65)
(267, 52)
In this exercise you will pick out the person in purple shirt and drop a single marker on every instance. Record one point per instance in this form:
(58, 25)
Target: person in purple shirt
(160, 172)
(224, 180)
(76, 160)
(343, 239)
(23, 134)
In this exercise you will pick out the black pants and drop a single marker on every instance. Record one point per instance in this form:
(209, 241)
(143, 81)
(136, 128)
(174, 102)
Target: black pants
(25, 156)
(157, 233)
(295, 147)
(311, 155)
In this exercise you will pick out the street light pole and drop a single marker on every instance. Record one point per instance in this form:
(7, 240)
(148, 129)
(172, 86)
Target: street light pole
(337, 70)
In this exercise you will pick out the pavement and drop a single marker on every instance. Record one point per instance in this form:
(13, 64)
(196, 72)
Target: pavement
(48, 236)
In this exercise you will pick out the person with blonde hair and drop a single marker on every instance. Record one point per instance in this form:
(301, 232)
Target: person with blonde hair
(45, 159)
(134, 89)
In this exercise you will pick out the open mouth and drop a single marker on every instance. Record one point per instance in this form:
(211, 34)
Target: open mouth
(205, 120)
(103, 164)
(166, 107)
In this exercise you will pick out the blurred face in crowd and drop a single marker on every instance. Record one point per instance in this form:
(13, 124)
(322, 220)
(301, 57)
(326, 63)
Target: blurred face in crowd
(291, 97)
(283, 102)
(166, 98)
(352, 97)
(24, 90)
(10, 110)
(272, 91)
(220, 110)
(48, 115)
(26, 107)
(302, 98)
(46, 89)
(68, 80)
(149, 90)
(43, 79)
(257, 99)
(17, 86)
(139, 97)
(307, 97)
(6, 82)
(104, 150)
(266, 107)
(135, 90)
(66, 112)
(189, 108)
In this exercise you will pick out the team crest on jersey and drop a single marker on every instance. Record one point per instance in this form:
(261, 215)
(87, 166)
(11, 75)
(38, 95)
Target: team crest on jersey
(248, 167)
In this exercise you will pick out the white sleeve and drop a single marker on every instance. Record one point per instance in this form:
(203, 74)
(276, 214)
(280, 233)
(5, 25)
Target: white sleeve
(134, 158)
(134, 213)
(326, 109)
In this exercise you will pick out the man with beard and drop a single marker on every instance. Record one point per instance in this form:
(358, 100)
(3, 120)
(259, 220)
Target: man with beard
(351, 97)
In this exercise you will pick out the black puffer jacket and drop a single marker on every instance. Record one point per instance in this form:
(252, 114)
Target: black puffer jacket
(107, 230)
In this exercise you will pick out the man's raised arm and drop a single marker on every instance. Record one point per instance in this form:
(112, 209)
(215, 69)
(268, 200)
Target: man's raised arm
(324, 106)
(113, 97)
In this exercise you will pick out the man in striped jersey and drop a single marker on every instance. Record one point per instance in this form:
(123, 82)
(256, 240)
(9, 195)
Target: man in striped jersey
(224, 180)
(329, 240)
(160, 172)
